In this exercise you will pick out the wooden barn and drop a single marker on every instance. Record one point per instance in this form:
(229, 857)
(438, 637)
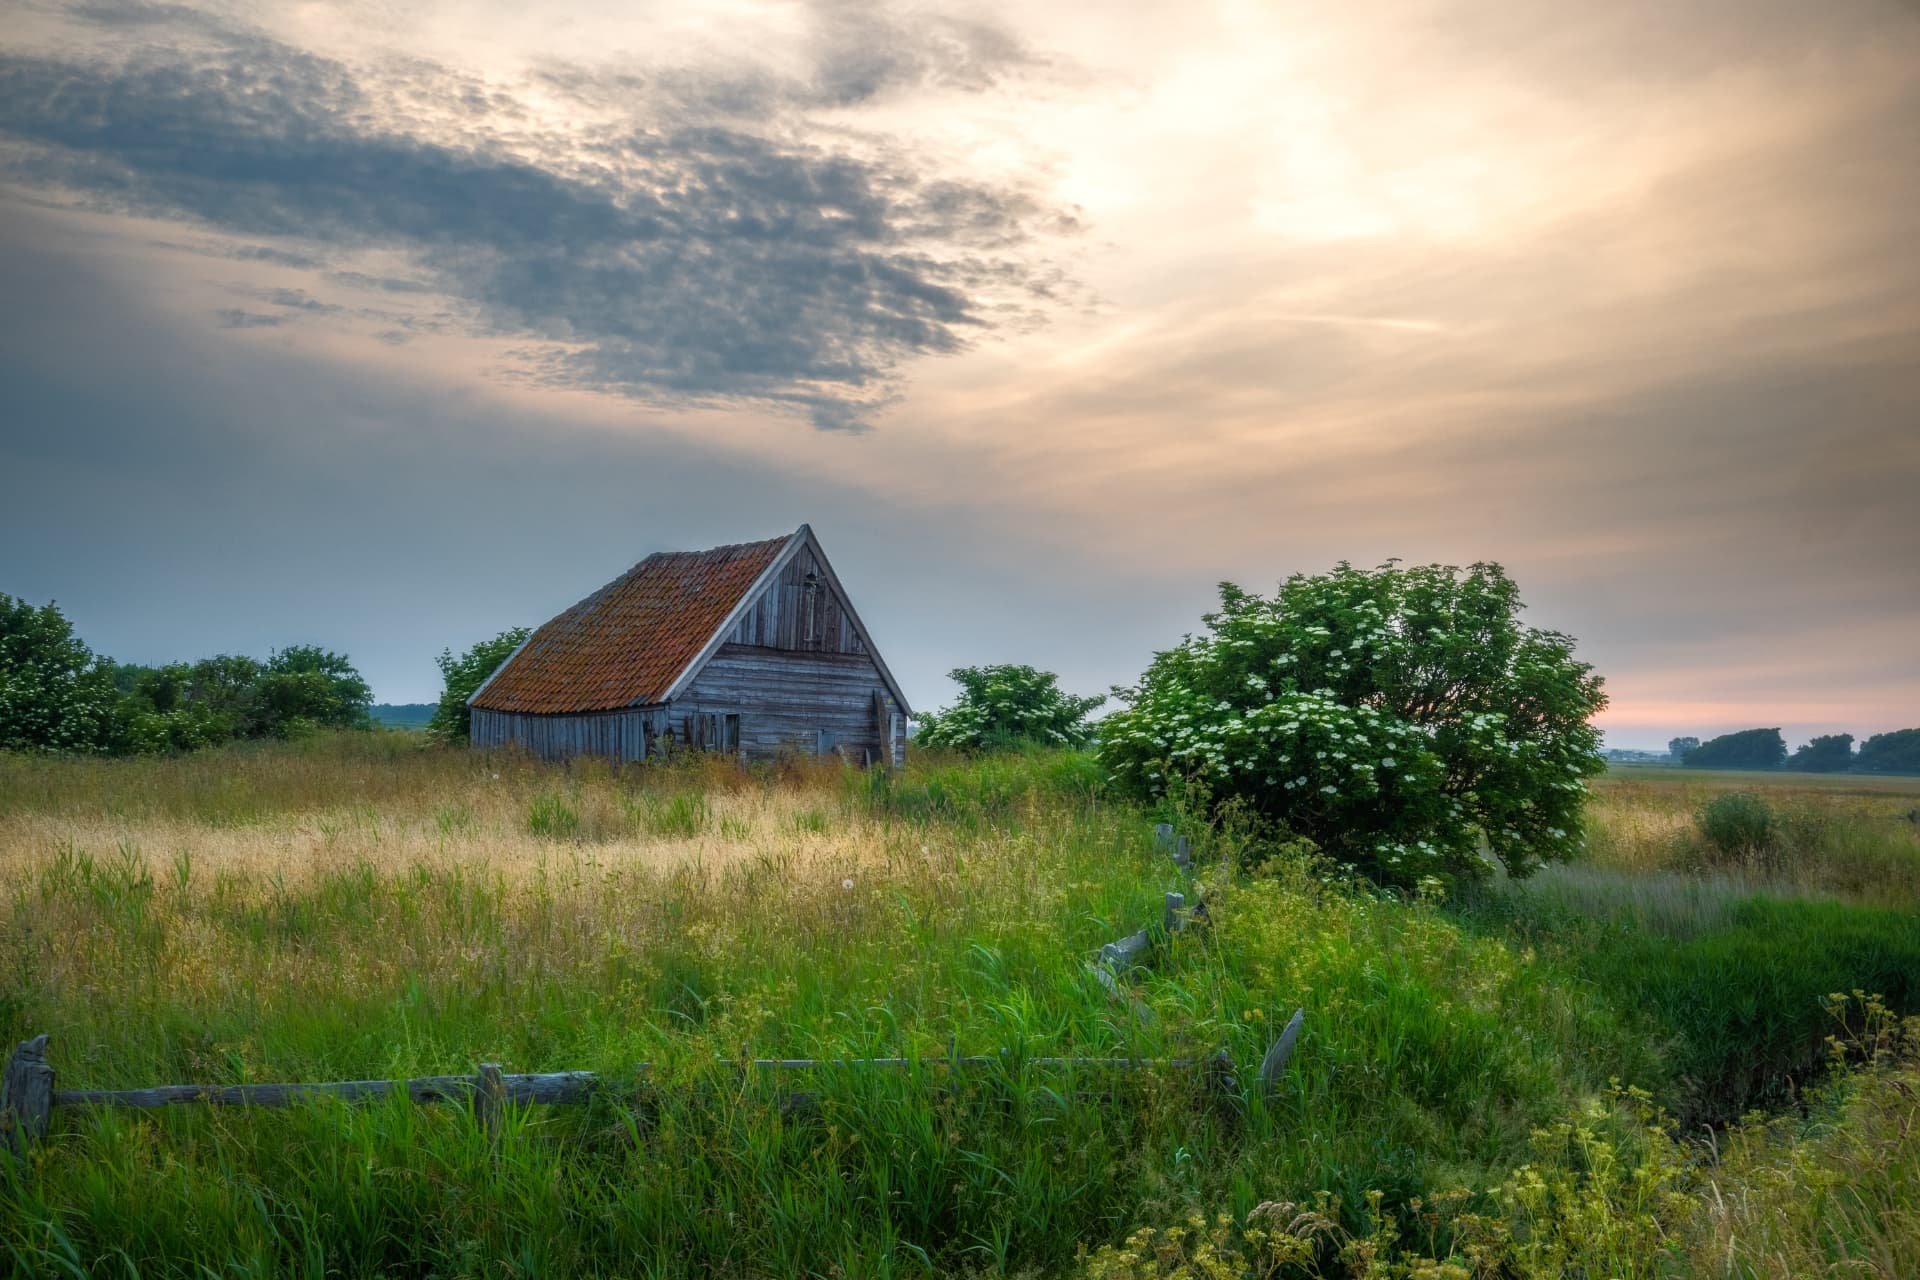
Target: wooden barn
(748, 649)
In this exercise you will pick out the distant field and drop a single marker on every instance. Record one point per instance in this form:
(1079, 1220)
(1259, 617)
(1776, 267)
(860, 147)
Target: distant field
(402, 715)
(1863, 783)
(367, 906)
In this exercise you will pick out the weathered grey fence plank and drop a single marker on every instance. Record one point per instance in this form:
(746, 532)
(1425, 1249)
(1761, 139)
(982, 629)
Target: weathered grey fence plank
(558, 1087)
(1276, 1060)
(549, 1087)
(26, 1096)
(490, 1099)
(1126, 953)
(974, 1062)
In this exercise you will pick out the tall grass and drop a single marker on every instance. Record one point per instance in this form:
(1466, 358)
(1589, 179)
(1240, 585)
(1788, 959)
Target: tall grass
(1829, 1193)
(353, 907)
(595, 919)
(1728, 943)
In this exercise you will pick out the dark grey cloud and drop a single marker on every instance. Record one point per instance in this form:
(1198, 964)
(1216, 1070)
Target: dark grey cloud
(677, 257)
(235, 318)
(290, 299)
(384, 284)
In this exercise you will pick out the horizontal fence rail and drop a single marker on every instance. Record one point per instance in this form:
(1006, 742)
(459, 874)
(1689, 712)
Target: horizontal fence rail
(28, 1096)
(557, 1087)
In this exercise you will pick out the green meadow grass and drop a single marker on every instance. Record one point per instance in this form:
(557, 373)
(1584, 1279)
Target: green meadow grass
(349, 908)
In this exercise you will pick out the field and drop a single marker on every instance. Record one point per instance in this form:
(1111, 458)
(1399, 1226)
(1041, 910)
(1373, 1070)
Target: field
(1660, 1061)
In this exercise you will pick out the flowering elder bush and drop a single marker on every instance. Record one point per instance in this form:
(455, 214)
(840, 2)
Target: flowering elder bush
(1394, 716)
(1003, 705)
(54, 694)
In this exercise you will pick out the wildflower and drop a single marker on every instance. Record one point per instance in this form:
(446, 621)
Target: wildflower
(847, 883)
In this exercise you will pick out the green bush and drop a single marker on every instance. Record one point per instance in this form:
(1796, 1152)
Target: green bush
(1006, 706)
(1737, 824)
(462, 677)
(1395, 717)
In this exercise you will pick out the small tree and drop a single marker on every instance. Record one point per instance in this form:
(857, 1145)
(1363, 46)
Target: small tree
(1832, 753)
(1678, 747)
(1394, 716)
(304, 685)
(1747, 749)
(453, 720)
(54, 694)
(1005, 705)
(1896, 752)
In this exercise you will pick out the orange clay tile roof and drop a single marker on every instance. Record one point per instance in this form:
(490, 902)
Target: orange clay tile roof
(626, 643)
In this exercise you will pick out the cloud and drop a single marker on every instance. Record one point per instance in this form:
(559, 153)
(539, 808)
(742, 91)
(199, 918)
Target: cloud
(674, 255)
(234, 318)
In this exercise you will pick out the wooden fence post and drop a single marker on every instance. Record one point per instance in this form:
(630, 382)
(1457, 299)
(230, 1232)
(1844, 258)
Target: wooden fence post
(1276, 1060)
(1224, 1084)
(1163, 837)
(490, 1101)
(26, 1096)
(1183, 851)
(1176, 919)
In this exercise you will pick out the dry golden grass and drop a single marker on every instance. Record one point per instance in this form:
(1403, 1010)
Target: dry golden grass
(298, 817)
(1845, 835)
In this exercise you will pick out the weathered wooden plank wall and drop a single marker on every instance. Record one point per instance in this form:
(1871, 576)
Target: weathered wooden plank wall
(620, 735)
(788, 699)
(781, 617)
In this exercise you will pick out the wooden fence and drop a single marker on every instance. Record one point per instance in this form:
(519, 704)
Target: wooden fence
(28, 1096)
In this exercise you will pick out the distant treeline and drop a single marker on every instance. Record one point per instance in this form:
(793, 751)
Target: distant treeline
(403, 715)
(57, 695)
(1894, 752)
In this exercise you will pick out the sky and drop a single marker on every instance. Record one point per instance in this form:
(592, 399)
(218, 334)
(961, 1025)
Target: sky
(387, 325)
